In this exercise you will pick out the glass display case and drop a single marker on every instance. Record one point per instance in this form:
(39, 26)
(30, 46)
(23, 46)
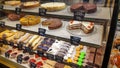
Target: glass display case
(55, 33)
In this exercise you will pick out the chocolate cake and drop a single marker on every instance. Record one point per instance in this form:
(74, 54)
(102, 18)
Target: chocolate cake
(52, 23)
(87, 7)
(14, 17)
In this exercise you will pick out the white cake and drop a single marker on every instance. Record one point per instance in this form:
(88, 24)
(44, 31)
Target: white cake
(53, 6)
(86, 27)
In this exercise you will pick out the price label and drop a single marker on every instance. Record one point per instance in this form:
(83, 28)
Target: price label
(11, 43)
(18, 26)
(1, 7)
(58, 59)
(7, 54)
(42, 11)
(85, 0)
(41, 31)
(75, 40)
(32, 65)
(23, 0)
(17, 10)
(50, 56)
(40, 53)
(20, 46)
(117, 47)
(2, 23)
(5, 41)
(79, 15)
(27, 49)
(19, 59)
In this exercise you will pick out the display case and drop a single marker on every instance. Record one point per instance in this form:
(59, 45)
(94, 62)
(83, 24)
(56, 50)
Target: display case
(55, 33)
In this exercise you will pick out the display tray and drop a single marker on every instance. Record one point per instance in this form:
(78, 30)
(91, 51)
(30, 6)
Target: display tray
(100, 14)
(62, 32)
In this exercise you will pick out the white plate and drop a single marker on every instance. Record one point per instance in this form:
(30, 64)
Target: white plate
(79, 32)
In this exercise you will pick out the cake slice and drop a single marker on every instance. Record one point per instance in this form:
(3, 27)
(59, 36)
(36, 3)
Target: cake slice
(86, 27)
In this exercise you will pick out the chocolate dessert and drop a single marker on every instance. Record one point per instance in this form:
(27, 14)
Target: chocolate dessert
(52, 23)
(87, 7)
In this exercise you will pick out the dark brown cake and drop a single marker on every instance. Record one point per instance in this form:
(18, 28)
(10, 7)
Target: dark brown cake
(52, 23)
(14, 17)
(89, 8)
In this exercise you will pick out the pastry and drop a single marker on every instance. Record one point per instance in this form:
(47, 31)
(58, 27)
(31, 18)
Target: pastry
(86, 27)
(87, 7)
(59, 65)
(12, 3)
(30, 4)
(23, 38)
(15, 17)
(52, 23)
(32, 40)
(53, 6)
(30, 20)
(36, 41)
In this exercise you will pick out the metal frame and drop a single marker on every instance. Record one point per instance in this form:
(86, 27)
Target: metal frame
(111, 35)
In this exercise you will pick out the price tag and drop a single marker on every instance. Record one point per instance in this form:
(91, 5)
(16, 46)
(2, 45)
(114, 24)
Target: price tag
(74, 65)
(7, 54)
(32, 65)
(40, 53)
(17, 10)
(19, 59)
(41, 31)
(50, 56)
(117, 47)
(11, 44)
(5, 41)
(18, 26)
(59, 59)
(20, 46)
(79, 15)
(42, 11)
(27, 49)
(75, 40)
(85, 0)
(23, 0)
(1, 7)
(2, 23)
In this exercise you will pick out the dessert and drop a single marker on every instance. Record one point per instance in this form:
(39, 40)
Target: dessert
(30, 4)
(86, 27)
(87, 7)
(12, 3)
(52, 23)
(30, 20)
(53, 6)
(14, 17)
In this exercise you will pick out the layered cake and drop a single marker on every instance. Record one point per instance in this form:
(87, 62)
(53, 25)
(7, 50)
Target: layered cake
(52, 23)
(87, 7)
(14, 17)
(53, 6)
(12, 3)
(30, 4)
(86, 27)
(30, 20)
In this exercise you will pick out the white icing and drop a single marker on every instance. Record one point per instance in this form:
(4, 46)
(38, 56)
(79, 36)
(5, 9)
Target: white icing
(87, 25)
(74, 22)
(53, 4)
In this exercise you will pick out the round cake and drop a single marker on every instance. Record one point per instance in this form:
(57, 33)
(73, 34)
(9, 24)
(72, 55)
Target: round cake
(30, 20)
(30, 4)
(52, 23)
(87, 7)
(53, 6)
(14, 17)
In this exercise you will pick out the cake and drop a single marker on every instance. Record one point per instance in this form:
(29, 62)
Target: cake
(53, 6)
(86, 27)
(14, 17)
(30, 4)
(12, 3)
(52, 23)
(30, 20)
(87, 7)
